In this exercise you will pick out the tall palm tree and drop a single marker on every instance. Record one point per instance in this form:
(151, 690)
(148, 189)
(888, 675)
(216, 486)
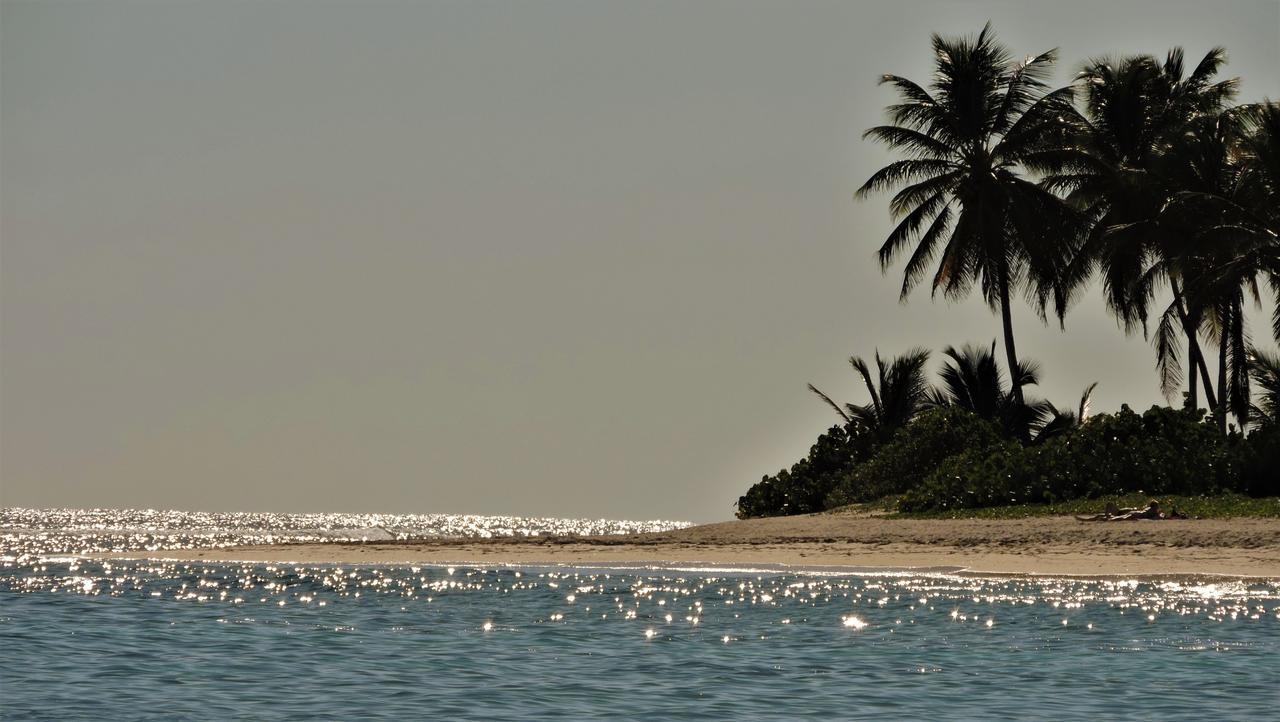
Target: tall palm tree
(1203, 165)
(1250, 216)
(1260, 168)
(1228, 168)
(962, 196)
(898, 392)
(1134, 109)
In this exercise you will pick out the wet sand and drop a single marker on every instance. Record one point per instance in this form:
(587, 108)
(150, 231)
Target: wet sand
(1043, 545)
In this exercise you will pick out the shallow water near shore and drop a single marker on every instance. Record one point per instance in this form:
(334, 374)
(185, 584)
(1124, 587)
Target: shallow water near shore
(122, 639)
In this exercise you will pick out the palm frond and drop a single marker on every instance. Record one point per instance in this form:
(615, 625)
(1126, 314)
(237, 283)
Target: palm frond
(861, 367)
(1168, 365)
(910, 140)
(1264, 368)
(832, 404)
(924, 251)
(1085, 398)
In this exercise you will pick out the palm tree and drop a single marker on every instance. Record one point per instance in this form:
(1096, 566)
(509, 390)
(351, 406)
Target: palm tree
(1058, 421)
(1259, 156)
(898, 393)
(962, 197)
(1227, 168)
(1265, 369)
(973, 380)
(1260, 213)
(1257, 214)
(1248, 216)
(1135, 108)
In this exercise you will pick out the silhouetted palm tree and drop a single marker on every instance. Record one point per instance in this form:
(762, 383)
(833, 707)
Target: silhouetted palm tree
(1259, 216)
(1259, 212)
(898, 392)
(963, 198)
(1058, 421)
(1246, 216)
(1228, 169)
(1135, 108)
(1265, 369)
(973, 380)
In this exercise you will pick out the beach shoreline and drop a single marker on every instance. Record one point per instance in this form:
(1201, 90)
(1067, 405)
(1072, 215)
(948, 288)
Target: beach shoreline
(1040, 546)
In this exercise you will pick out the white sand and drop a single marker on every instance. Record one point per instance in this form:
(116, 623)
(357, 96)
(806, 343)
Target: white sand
(1044, 545)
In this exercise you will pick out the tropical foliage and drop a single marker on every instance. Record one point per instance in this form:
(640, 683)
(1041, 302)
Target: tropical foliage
(1176, 196)
(1163, 451)
(1140, 176)
(964, 197)
(805, 486)
(897, 393)
(909, 458)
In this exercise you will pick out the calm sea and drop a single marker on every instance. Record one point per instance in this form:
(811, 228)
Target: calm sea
(82, 639)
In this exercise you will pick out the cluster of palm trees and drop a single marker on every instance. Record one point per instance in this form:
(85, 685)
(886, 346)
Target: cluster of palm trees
(1140, 174)
(971, 379)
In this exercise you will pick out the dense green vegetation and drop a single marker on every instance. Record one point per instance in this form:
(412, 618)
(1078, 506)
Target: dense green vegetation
(949, 458)
(1222, 506)
(1140, 176)
(1163, 451)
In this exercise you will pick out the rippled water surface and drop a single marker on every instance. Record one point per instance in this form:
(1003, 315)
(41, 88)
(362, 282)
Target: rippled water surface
(86, 639)
(83, 531)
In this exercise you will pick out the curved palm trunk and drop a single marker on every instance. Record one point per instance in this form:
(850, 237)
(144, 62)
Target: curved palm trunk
(1011, 354)
(1195, 354)
(1197, 360)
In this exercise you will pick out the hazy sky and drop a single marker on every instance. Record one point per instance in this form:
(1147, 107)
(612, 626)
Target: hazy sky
(561, 258)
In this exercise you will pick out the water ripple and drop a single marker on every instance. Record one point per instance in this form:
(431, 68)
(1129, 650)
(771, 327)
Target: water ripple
(84, 531)
(137, 639)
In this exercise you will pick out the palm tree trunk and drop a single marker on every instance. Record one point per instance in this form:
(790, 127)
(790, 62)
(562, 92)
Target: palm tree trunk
(1221, 411)
(1238, 398)
(1197, 357)
(1193, 398)
(1011, 354)
(1195, 354)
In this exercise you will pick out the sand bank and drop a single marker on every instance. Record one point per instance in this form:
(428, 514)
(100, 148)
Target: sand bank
(1045, 545)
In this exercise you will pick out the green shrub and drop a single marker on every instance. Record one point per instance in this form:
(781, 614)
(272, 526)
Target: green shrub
(1163, 451)
(1260, 461)
(1002, 473)
(804, 487)
(913, 453)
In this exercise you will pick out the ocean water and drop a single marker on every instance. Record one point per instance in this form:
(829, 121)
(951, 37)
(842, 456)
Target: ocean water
(95, 639)
(86, 531)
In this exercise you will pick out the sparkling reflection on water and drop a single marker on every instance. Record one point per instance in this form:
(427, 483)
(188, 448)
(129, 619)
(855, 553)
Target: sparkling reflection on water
(162, 640)
(34, 532)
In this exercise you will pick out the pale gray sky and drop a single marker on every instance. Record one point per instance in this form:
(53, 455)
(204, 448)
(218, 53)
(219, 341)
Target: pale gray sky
(562, 258)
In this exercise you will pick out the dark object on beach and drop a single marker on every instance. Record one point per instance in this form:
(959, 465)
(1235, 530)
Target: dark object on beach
(1150, 511)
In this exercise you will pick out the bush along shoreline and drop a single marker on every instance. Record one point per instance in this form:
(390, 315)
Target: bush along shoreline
(951, 459)
(969, 444)
(1142, 177)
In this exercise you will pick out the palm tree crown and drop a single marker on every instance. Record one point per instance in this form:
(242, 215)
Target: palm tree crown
(1118, 172)
(973, 380)
(962, 197)
(898, 392)
(1246, 218)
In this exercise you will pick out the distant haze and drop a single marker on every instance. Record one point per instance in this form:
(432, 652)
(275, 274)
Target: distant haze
(553, 258)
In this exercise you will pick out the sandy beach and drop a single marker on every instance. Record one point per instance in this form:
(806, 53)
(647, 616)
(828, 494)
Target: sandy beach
(1044, 545)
